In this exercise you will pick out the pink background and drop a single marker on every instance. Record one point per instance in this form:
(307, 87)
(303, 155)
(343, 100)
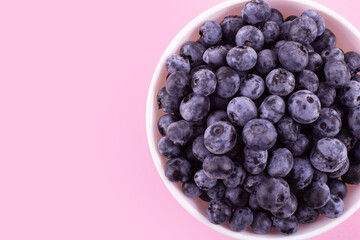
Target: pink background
(74, 158)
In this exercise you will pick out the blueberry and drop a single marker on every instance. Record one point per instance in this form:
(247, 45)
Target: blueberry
(167, 103)
(255, 161)
(253, 203)
(337, 74)
(349, 94)
(199, 128)
(293, 56)
(285, 30)
(288, 130)
(203, 181)
(276, 16)
(198, 148)
(230, 25)
(280, 163)
(352, 176)
(301, 174)
(178, 170)
(228, 82)
(188, 154)
(240, 110)
(303, 30)
(300, 146)
(352, 60)
(218, 211)
(241, 58)
(220, 137)
(319, 20)
(272, 108)
(277, 46)
(178, 84)
(167, 148)
(210, 32)
(197, 68)
(307, 80)
(237, 197)
(355, 153)
(347, 138)
(165, 121)
(215, 56)
(252, 182)
(306, 214)
(328, 155)
(280, 82)
(203, 82)
(356, 77)
(218, 102)
(256, 11)
(215, 116)
(217, 191)
(326, 94)
(328, 124)
(252, 86)
(250, 36)
(205, 197)
(288, 209)
(273, 193)
(241, 219)
(259, 134)
(304, 107)
(266, 61)
(194, 52)
(332, 54)
(337, 188)
(179, 132)
(236, 178)
(177, 62)
(190, 189)
(320, 176)
(341, 171)
(218, 167)
(286, 226)
(290, 18)
(326, 40)
(316, 195)
(194, 107)
(354, 121)
(315, 63)
(334, 207)
(262, 222)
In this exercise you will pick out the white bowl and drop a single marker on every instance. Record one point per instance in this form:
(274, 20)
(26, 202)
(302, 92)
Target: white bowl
(348, 38)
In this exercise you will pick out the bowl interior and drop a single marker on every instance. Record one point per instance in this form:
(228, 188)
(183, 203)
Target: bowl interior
(348, 39)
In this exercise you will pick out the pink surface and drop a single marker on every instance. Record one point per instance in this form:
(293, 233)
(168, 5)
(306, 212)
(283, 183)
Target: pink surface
(74, 157)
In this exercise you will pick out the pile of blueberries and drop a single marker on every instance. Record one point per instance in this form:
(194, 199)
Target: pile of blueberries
(263, 120)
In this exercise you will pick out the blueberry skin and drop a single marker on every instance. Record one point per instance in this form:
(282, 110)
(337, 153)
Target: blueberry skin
(198, 148)
(354, 121)
(272, 108)
(347, 138)
(194, 52)
(178, 84)
(179, 132)
(253, 204)
(191, 190)
(228, 82)
(167, 103)
(307, 80)
(316, 195)
(300, 146)
(349, 94)
(241, 58)
(306, 214)
(301, 174)
(220, 137)
(215, 56)
(304, 107)
(320, 176)
(328, 124)
(236, 178)
(286, 226)
(280, 163)
(262, 222)
(165, 121)
(326, 40)
(319, 20)
(355, 153)
(352, 60)
(218, 211)
(203, 82)
(197, 68)
(277, 46)
(217, 191)
(315, 62)
(218, 167)
(332, 53)
(210, 32)
(341, 171)
(284, 31)
(352, 176)
(167, 148)
(356, 77)
(218, 102)
(240, 110)
(273, 193)
(241, 219)
(215, 116)
(276, 16)
(250, 36)
(252, 182)
(254, 161)
(194, 107)
(337, 73)
(256, 11)
(266, 61)
(177, 62)
(237, 197)
(334, 207)
(288, 209)
(328, 155)
(288, 130)
(203, 181)
(326, 94)
(280, 82)
(293, 56)
(178, 170)
(230, 25)
(337, 188)
(303, 30)
(259, 134)
(270, 31)
(252, 86)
